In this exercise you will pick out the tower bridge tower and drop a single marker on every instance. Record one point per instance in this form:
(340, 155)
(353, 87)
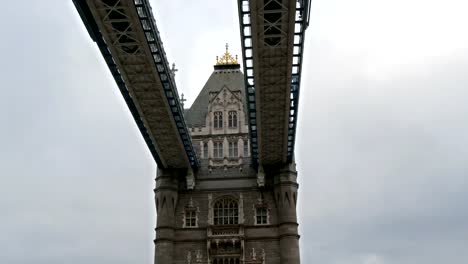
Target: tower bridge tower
(226, 186)
(235, 212)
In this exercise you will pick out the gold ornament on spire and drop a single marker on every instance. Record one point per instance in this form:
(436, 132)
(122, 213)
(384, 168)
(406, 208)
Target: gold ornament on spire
(227, 58)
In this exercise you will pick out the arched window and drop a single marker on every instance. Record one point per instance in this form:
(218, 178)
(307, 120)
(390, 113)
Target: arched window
(246, 148)
(218, 150)
(232, 119)
(226, 211)
(218, 119)
(233, 149)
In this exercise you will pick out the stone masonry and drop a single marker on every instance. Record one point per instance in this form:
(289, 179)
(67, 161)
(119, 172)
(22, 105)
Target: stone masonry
(228, 211)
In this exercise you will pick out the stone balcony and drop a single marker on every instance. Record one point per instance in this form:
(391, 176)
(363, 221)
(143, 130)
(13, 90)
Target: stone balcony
(225, 232)
(225, 243)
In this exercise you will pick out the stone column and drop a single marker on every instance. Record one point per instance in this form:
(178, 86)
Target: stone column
(166, 194)
(285, 188)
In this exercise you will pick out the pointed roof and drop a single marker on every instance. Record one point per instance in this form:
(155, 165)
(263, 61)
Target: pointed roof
(231, 77)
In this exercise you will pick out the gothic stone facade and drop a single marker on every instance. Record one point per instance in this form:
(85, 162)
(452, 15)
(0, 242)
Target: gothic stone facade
(232, 213)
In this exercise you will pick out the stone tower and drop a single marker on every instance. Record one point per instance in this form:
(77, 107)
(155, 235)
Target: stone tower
(229, 211)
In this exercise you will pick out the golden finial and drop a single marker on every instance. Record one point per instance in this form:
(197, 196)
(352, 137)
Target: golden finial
(226, 58)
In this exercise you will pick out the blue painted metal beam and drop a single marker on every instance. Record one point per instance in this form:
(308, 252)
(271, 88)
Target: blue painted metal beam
(165, 75)
(301, 23)
(247, 59)
(161, 64)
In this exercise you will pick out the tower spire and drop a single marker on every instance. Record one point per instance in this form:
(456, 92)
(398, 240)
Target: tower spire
(227, 58)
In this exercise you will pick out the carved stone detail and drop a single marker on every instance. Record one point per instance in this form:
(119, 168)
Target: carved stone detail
(199, 256)
(241, 209)
(190, 178)
(260, 176)
(254, 254)
(210, 209)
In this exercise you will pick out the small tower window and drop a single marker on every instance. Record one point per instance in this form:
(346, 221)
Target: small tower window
(232, 119)
(218, 119)
(205, 150)
(218, 149)
(190, 217)
(261, 215)
(197, 149)
(233, 149)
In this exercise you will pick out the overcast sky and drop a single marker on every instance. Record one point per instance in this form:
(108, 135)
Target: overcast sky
(382, 146)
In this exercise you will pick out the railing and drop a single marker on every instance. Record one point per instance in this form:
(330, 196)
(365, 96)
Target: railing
(166, 76)
(301, 23)
(96, 36)
(247, 58)
(223, 231)
(162, 66)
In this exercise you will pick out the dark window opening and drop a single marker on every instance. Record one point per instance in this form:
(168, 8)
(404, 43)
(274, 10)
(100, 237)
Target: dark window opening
(261, 215)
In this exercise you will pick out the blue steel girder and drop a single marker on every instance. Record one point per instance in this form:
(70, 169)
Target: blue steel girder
(272, 35)
(128, 38)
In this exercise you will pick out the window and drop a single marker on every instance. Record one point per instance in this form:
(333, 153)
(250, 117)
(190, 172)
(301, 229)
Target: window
(246, 148)
(261, 215)
(233, 149)
(226, 261)
(232, 120)
(218, 119)
(197, 149)
(190, 218)
(205, 150)
(225, 212)
(218, 149)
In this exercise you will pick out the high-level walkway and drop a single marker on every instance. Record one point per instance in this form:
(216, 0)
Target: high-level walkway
(272, 36)
(128, 38)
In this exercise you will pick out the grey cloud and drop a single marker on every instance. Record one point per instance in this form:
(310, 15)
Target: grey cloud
(382, 157)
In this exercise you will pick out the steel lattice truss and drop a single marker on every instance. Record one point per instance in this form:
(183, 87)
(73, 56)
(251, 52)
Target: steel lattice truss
(272, 33)
(129, 40)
